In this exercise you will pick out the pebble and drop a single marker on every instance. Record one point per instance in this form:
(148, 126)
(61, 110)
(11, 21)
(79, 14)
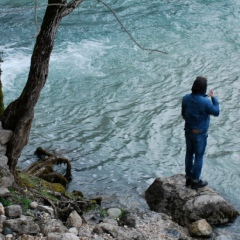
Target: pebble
(114, 212)
(33, 205)
(7, 231)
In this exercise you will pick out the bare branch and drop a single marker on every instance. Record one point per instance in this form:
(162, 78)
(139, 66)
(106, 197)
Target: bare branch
(35, 17)
(70, 7)
(129, 34)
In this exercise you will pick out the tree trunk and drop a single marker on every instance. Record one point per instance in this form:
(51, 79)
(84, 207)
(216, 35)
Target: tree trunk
(19, 114)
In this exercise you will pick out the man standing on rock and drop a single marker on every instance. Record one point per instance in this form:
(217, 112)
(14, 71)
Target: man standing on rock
(196, 111)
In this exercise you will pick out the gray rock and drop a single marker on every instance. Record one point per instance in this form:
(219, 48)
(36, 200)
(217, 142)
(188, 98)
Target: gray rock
(3, 149)
(225, 234)
(3, 191)
(74, 220)
(73, 230)
(221, 238)
(2, 219)
(85, 232)
(61, 236)
(110, 221)
(6, 178)
(130, 234)
(106, 228)
(114, 212)
(200, 228)
(3, 159)
(13, 211)
(170, 196)
(128, 220)
(22, 225)
(51, 226)
(5, 136)
(27, 237)
(7, 231)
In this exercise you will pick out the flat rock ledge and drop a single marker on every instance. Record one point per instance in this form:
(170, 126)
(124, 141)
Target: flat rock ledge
(185, 205)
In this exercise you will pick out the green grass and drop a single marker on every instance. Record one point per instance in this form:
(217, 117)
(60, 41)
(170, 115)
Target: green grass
(5, 202)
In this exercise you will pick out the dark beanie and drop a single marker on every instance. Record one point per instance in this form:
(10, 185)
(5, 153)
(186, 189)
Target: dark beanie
(200, 85)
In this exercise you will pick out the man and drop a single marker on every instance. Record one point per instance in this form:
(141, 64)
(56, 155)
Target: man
(196, 111)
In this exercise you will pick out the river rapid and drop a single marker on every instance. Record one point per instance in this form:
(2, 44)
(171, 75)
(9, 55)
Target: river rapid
(112, 108)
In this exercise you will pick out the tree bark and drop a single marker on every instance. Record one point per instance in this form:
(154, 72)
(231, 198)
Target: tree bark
(19, 114)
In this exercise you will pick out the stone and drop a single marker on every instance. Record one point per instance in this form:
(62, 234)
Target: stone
(33, 205)
(1, 237)
(185, 206)
(19, 225)
(2, 211)
(221, 238)
(74, 220)
(46, 209)
(5, 136)
(6, 178)
(52, 225)
(110, 221)
(73, 230)
(106, 228)
(2, 219)
(225, 234)
(13, 211)
(3, 191)
(27, 237)
(200, 228)
(114, 212)
(3, 149)
(9, 237)
(84, 232)
(7, 230)
(130, 234)
(128, 220)
(3, 160)
(61, 236)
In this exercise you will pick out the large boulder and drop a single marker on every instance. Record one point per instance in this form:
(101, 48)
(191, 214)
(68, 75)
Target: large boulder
(171, 196)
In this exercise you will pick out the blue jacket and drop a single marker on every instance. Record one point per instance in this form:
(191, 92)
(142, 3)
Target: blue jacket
(196, 111)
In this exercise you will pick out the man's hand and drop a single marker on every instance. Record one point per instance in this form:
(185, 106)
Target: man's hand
(211, 93)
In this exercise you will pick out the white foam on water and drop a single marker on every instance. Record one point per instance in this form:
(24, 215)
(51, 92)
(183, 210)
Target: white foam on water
(15, 66)
(81, 57)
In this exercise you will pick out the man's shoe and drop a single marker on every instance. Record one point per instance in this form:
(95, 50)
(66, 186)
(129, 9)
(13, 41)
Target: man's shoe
(199, 184)
(188, 182)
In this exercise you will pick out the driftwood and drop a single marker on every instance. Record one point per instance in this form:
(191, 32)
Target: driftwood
(44, 167)
(79, 204)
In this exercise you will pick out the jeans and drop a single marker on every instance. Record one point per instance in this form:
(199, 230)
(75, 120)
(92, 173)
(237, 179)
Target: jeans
(195, 149)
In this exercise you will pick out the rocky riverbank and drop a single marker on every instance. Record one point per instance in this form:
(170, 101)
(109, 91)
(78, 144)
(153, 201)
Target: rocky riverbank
(41, 224)
(38, 222)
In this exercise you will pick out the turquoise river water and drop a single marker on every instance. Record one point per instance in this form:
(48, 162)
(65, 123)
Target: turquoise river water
(114, 109)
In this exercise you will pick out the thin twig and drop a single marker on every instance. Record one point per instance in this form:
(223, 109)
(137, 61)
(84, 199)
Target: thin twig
(35, 17)
(129, 34)
(35, 13)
